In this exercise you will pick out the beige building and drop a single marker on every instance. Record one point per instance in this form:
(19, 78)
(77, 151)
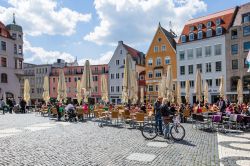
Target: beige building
(237, 48)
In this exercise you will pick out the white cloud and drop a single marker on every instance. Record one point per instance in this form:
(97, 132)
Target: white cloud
(104, 59)
(43, 17)
(135, 21)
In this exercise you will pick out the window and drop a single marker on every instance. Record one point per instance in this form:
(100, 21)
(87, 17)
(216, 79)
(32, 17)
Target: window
(209, 33)
(246, 46)
(246, 30)
(234, 34)
(117, 76)
(14, 35)
(235, 64)
(150, 88)
(117, 89)
(95, 78)
(150, 74)
(234, 82)
(20, 36)
(156, 88)
(182, 70)
(191, 36)
(4, 78)
(167, 60)
(208, 51)
(150, 62)
(69, 79)
(20, 50)
(158, 61)
(217, 82)
(117, 62)
(190, 53)
(159, 39)
(124, 61)
(183, 84)
(200, 35)
(3, 45)
(54, 80)
(218, 21)
(217, 49)
(157, 73)
(121, 51)
(190, 69)
(163, 48)
(246, 18)
(3, 62)
(218, 31)
(191, 82)
(209, 82)
(199, 52)
(112, 76)
(209, 24)
(156, 48)
(182, 55)
(199, 66)
(183, 38)
(191, 28)
(218, 66)
(15, 49)
(208, 67)
(122, 75)
(234, 49)
(112, 89)
(200, 26)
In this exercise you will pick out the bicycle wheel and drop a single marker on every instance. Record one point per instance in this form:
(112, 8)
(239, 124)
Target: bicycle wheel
(177, 132)
(149, 131)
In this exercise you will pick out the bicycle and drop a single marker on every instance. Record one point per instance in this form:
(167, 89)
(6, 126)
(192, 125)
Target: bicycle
(176, 130)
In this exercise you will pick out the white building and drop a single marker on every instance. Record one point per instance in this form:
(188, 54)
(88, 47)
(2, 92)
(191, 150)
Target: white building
(11, 60)
(116, 69)
(202, 46)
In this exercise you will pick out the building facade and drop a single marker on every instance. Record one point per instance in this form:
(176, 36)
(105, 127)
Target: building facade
(202, 47)
(116, 69)
(74, 73)
(11, 56)
(161, 53)
(238, 46)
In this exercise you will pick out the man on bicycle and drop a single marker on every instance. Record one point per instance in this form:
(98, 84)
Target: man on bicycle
(157, 112)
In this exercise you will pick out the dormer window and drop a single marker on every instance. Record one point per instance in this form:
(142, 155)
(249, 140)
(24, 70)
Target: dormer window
(191, 36)
(200, 27)
(200, 35)
(183, 38)
(209, 24)
(218, 31)
(191, 28)
(218, 21)
(209, 33)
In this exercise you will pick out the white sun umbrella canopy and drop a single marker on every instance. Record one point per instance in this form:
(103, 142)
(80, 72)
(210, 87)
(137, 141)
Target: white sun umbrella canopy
(187, 91)
(104, 88)
(61, 88)
(221, 88)
(134, 87)
(198, 85)
(162, 89)
(78, 92)
(46, 96)
(169, 84)
(127, 81)
(142, 95)
(239, 92)
(87, 81)
(178, 93)
(206, 92)
(26, 94)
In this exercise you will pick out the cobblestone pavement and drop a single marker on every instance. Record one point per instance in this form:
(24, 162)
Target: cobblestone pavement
(33, 140)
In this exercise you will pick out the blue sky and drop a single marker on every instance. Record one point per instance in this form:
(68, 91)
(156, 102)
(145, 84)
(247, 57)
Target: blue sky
(90, 29)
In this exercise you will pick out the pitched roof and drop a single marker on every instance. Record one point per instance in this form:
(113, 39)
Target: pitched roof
(133, 52)
(4, 31)
(170, 36)
(226, 17)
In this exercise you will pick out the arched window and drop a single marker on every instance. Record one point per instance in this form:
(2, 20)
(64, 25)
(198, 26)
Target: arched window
(150, 62)
(234, 82)
(4, 78)
(158, 61)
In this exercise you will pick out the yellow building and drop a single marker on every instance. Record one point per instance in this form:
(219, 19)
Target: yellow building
(161, 53)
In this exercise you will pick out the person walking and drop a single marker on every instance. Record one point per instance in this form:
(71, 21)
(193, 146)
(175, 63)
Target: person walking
(158, 116)
(222, 105)
(23, 105)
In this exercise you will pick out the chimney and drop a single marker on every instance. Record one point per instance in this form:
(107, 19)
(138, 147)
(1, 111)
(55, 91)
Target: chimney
(120, 42)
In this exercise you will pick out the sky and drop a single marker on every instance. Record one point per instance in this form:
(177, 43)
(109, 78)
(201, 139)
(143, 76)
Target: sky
(91, 29)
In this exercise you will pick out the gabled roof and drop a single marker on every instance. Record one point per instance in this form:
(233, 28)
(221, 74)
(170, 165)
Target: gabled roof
(170, 36)
(133, 52)
(4, 31)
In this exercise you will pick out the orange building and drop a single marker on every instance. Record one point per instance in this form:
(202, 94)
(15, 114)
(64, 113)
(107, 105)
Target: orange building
(161, 53)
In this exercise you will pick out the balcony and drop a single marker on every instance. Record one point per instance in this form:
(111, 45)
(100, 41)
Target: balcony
(19, 72)
(19, 56)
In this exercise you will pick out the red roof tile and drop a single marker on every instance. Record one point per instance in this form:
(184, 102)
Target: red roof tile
(133, 52)
(4, 31)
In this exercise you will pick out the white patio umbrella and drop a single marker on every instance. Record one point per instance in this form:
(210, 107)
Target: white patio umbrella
(169, 84)
(78, 92)
(187, 91)
(26, 94)
(206, 92)
(134, 87)
(239, 92)
(87, 81)
(162, 89)
(221, 88)
(127, 81)
(104, 89)
(61, 88)
(178, 93)
(198, 86)
(142, 95)
(46, 96)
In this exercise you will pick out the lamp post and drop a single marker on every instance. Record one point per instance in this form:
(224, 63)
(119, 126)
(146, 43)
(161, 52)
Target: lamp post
(248, 87)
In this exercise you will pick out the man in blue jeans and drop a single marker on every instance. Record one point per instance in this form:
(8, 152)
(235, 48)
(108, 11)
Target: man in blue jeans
(157, 111)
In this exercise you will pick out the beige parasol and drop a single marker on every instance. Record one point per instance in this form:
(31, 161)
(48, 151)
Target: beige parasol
(206, 92)
(26, 94)
(104, 88)
(127, 80)
(61, 88)
(187, 91)
(79, 92)
(198, 85)
(221, 88)
(178, 93)
(46, 96)
(169, 84)
(87, 81)
(240, 92)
